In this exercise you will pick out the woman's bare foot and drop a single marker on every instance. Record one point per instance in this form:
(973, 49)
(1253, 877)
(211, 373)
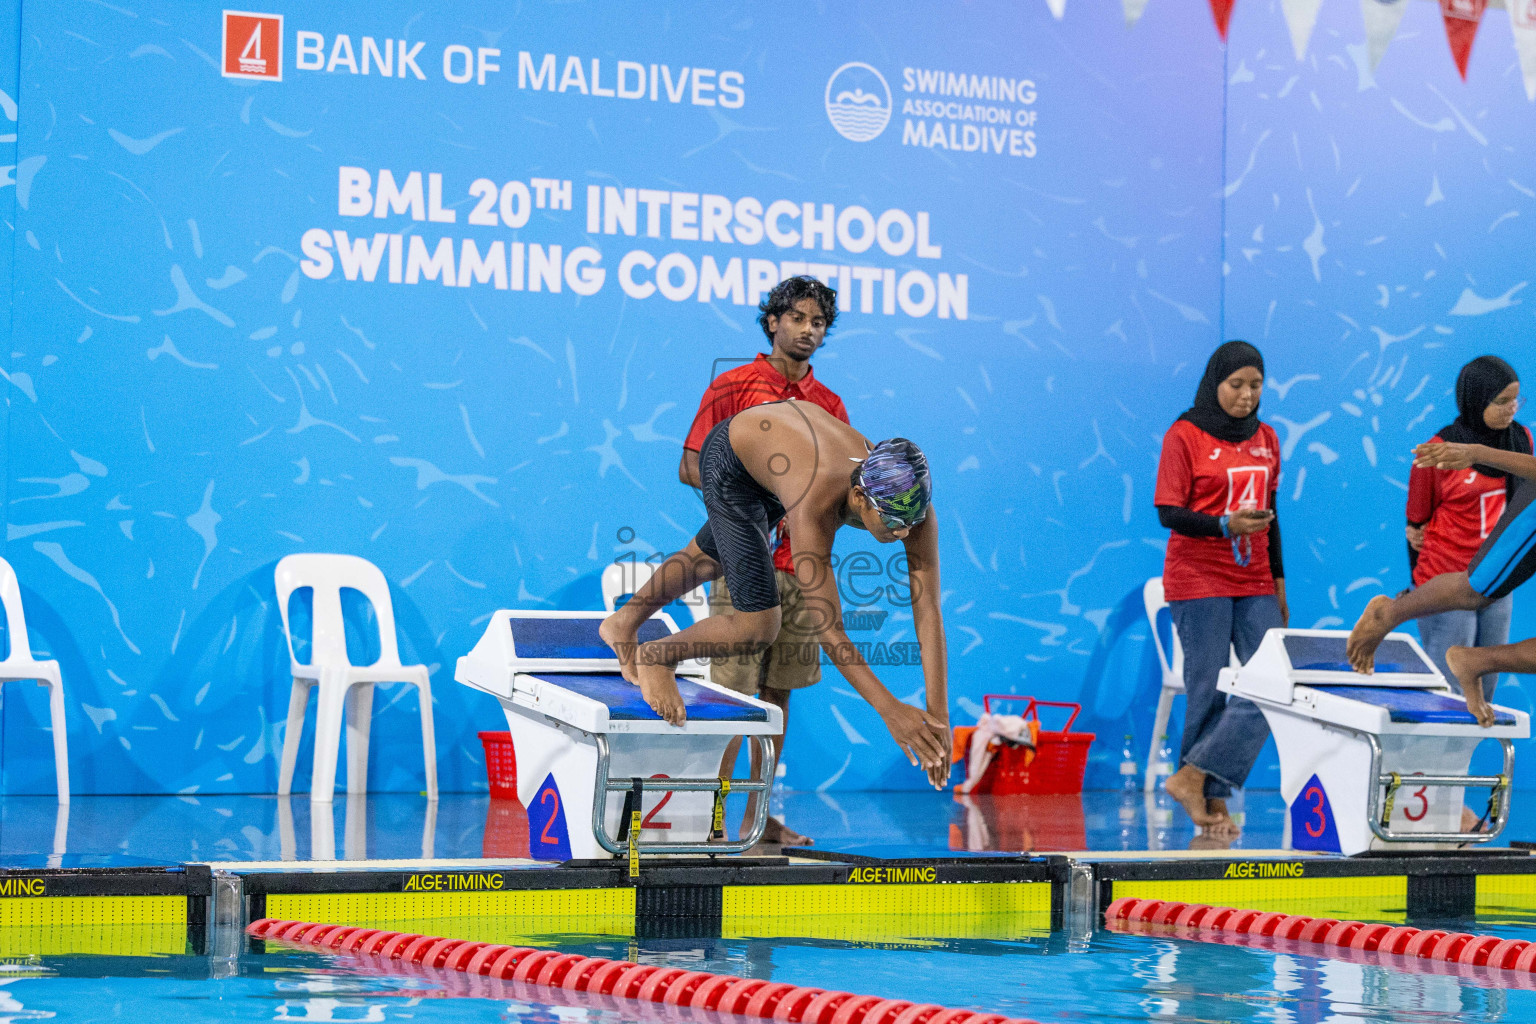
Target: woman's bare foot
(779, 834)
(658, 685)
(623, 642)
(1466, 663)
(1208, 840)
(1368, 634)
(1187, 786)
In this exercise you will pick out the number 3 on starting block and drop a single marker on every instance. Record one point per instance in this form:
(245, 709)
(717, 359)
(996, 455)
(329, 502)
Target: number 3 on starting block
(547, 835)
(1312, 824)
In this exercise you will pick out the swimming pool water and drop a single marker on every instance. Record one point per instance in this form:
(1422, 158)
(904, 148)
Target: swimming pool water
(1109, 978)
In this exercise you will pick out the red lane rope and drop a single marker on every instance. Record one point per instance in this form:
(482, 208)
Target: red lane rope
(1128, 912)
(571, 972)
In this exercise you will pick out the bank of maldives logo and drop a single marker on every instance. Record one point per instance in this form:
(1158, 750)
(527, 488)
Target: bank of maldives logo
(858, 102)
(253, 46)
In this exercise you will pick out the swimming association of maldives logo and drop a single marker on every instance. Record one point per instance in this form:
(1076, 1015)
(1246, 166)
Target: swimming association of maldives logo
(858, 102)
(253, 46)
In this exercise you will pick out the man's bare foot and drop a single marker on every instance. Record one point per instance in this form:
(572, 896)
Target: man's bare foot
(623, 643)
(1187, 786)
(658, 685)
(1466, 663)
(1470, 819)
(1368, 634)
(1217, 806)
(779, 834)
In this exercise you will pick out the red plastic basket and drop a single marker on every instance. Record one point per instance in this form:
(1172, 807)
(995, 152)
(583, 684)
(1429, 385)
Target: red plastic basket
(500, 764)
(506, 830)
(1060, 758)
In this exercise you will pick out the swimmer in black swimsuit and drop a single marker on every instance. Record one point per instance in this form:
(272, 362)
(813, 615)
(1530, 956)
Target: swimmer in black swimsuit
(794, 461)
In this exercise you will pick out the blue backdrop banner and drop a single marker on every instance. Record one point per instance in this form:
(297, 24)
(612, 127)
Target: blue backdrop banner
(443, 288)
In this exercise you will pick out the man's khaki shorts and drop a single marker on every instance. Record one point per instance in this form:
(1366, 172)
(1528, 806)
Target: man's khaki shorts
(791, 662)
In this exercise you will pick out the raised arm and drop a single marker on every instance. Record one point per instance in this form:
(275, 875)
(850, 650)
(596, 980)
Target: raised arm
(922, 737)
(1446, 455)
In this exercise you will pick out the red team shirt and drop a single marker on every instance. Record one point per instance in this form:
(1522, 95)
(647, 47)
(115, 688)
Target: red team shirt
(753, 384)
(1204, 474)
(1459, 508)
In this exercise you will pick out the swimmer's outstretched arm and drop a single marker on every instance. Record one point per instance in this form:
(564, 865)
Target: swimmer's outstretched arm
(1447, 455)
(922, 736)
(922, 545)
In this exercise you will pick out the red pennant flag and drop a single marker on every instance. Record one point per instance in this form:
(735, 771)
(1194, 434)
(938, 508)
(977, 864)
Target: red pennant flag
(1222, 11)
(1461, 20)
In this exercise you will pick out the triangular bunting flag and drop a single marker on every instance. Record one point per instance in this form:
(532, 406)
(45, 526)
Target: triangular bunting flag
(1058, 8)
(1461, 20)
(1382, 17)
(1133, 9)
(1222, 11)
(1522, 18)
(1300, 17)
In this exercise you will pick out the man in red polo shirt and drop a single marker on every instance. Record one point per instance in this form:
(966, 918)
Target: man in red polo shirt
(795, 316)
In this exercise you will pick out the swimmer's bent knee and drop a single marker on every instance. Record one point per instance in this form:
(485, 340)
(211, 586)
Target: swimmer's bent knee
(756, 630)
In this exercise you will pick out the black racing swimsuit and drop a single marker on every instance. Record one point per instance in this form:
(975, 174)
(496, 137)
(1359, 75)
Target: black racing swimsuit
(742, 514)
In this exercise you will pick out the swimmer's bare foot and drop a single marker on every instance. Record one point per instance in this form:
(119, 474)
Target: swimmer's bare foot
(779, 834)
(1187, 786)
(1368, 634)
(1470, 819)
(1466, 663)
(658, 685)
(623, 643)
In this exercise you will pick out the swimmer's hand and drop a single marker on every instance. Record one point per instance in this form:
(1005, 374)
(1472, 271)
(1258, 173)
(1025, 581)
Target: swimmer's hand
(938, 776)
(924, 740)
(658, 686)
(1444, 455)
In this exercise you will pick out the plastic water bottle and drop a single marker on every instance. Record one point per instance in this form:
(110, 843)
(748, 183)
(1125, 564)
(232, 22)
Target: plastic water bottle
(776, 794)
(1128, 769)
(1164, 767)
(1162, 810)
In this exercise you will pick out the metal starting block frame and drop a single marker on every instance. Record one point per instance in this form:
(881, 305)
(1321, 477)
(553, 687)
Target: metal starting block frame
(1351, 746)
(582, 733)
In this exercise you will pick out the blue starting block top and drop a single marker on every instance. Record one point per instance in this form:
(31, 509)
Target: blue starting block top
(1326, 654)
(624, 703)
(574, 639)
(1414, 706)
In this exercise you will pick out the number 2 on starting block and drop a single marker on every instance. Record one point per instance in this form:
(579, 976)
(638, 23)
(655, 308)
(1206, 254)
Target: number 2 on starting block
(548, 838)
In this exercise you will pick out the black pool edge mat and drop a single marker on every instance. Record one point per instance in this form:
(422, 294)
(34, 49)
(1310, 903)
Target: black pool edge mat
(678, 894)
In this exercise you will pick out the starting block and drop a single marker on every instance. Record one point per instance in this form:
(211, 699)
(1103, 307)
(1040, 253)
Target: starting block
(1371, 762)
(582, 734)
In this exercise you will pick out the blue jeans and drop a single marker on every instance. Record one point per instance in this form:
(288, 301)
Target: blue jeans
(1486, 628)
(1222, 736)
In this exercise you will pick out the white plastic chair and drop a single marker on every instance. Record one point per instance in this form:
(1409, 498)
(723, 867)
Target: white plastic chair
(623, 578)
(342, 683)
(21, 665)
(1172, 664)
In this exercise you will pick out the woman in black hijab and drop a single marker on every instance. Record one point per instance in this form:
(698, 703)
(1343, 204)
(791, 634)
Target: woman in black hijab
(1451, 512)
(1222, 576)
